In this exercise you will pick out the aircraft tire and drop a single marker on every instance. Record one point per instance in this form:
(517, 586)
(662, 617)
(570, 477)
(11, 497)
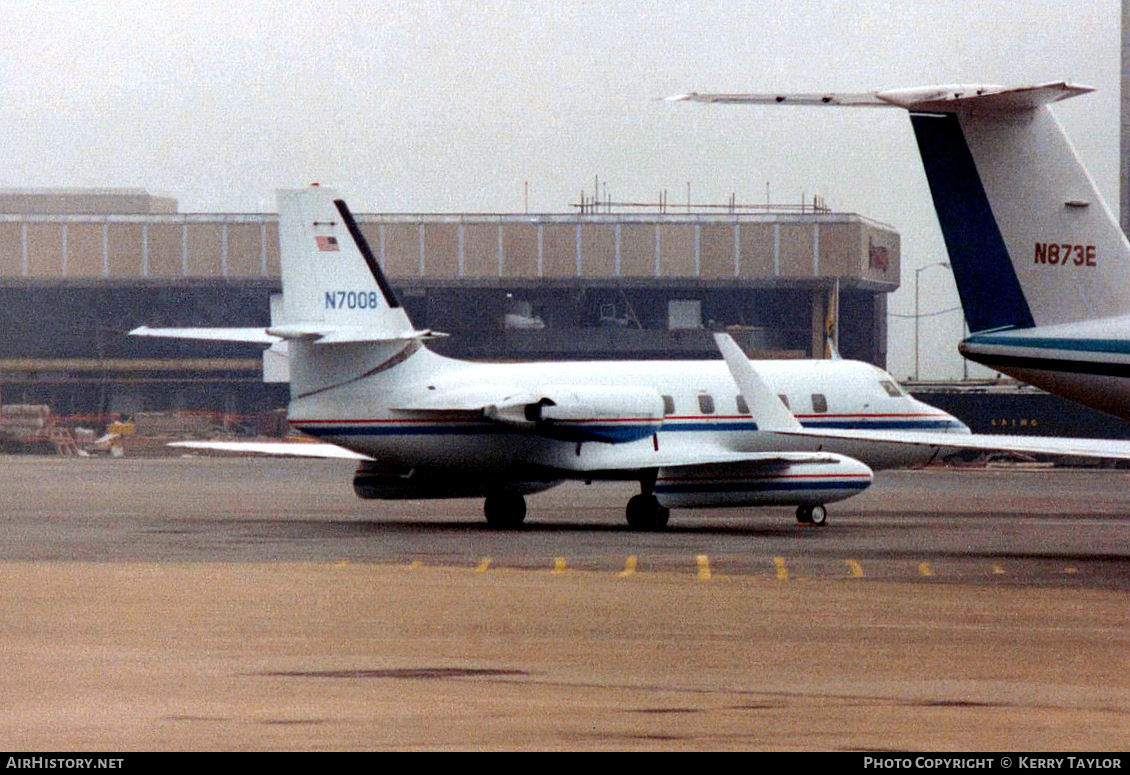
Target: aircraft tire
(644, 513)
(505, 511)
(804, 514)
(818, 515)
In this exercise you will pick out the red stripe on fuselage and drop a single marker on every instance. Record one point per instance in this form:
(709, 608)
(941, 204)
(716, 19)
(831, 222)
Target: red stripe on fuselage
(706, 478)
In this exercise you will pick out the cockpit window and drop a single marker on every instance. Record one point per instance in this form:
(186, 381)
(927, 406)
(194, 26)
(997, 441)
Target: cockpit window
(893, 390)
(668, 405)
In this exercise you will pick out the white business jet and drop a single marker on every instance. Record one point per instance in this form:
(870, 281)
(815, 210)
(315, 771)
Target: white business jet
(694, 434)
(1040, 262)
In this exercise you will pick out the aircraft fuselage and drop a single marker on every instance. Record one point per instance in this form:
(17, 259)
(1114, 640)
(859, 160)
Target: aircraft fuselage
(701, 406)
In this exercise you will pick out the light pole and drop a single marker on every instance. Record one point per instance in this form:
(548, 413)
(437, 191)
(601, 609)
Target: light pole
(917, 272)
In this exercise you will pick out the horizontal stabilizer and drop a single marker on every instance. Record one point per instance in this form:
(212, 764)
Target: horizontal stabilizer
(859, 99)
(320, 333)
(950, 98)
(992, 99)
(323, 333)
(247, 335)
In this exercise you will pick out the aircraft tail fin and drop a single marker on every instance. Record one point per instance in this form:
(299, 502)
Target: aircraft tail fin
(342, 319)
(1030, 239)
(334, 290)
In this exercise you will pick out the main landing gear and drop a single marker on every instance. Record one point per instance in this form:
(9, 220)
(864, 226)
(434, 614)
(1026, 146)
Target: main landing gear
(645, 513)
(809, 514)
(505, 510)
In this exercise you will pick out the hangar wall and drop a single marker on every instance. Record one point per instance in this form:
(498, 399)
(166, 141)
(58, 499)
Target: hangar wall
(75, 276)
(468, 247)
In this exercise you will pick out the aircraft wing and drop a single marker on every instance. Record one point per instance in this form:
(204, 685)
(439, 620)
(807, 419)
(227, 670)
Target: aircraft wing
(772, 416)
(277, 448)
(1108, 449)
(604, 460)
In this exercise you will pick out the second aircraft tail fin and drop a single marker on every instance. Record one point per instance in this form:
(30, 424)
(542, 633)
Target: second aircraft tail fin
(1030, 239)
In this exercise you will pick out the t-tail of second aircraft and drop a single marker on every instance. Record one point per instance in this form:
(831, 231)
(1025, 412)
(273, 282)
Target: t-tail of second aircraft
(1041, 264)
(1031, 241)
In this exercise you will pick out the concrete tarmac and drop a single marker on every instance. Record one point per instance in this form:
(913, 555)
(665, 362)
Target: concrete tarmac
(201, 604)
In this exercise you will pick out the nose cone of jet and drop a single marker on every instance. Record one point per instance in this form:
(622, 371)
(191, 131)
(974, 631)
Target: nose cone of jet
(939, 420)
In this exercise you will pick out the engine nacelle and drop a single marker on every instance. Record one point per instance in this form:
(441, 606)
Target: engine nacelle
(785, 482)
(613, 415)
(372, 483)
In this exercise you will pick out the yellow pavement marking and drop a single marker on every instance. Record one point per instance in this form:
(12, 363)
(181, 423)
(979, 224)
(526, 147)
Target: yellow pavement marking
(629, 567)
(1070, 569)
(998, 570)
(855, 570)
(703, 567)
(415, 564)
(782, 570)
(925, 569)
(483, 565)
(559, 565)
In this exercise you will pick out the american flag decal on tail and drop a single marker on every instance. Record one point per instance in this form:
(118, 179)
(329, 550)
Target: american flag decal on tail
(326, 244)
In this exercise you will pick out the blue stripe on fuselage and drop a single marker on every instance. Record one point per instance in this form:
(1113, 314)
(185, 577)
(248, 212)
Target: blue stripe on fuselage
(1120, 346)
(986, 280)
(620, 433)
(1051, 354)
(762, 486)
(888, 425)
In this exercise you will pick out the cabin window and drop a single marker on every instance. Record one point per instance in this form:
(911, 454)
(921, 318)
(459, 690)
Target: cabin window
(743, 407)
(893, 390)
(668, 406)
(819, 402)
(784, 400)
(706, 403)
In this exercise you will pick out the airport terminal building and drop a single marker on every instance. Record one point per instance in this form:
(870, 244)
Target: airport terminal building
(80, 268)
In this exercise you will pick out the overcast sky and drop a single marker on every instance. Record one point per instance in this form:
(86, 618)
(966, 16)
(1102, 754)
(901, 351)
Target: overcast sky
(455, 106)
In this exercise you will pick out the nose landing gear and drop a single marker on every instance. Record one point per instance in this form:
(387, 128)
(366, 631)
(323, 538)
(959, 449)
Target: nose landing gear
(808, 514)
